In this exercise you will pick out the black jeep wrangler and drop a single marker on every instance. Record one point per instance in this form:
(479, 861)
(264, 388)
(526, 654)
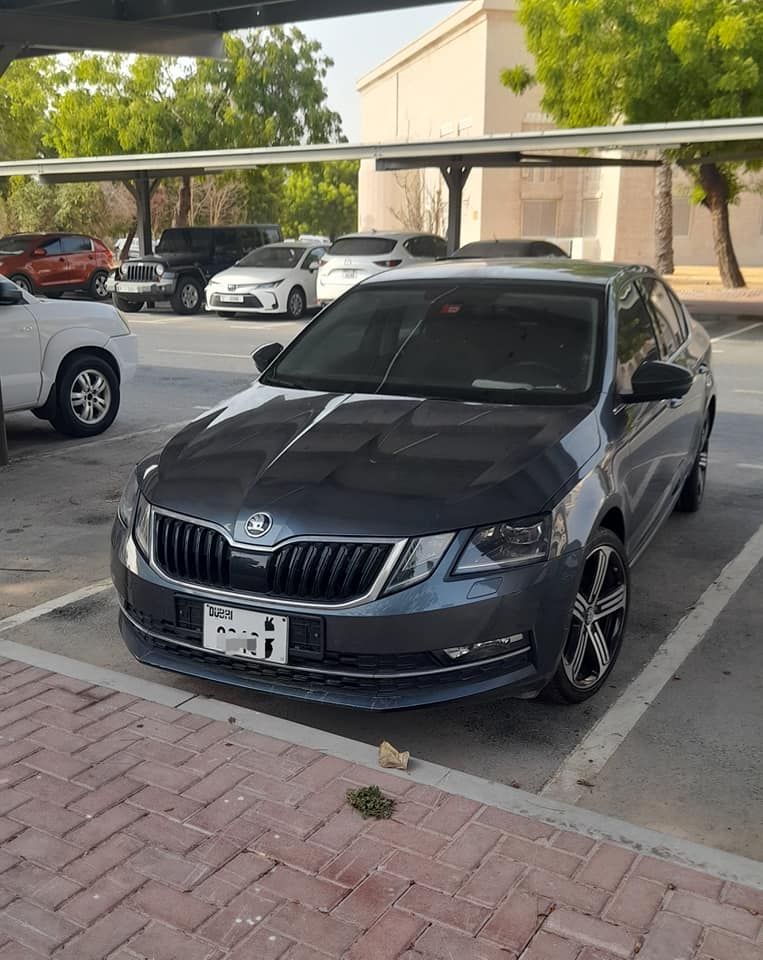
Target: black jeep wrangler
(186, 258)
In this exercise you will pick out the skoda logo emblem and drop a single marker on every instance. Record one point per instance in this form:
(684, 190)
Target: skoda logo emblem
(258, 524)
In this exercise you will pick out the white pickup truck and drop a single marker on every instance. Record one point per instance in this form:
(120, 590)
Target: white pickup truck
(64, 360)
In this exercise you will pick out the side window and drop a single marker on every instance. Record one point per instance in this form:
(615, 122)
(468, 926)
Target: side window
(420, 247)
(670, 330)
(272, 235)
(227, 245)
(52, 248)
(635, 336)
(76, 245)
(683, 322)
(312, 257)
(440, 247)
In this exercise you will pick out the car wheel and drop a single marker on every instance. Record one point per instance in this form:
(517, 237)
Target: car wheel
(187, 297)
(98, 289)
(87, 394)
(598, 621)
(296, 305)
(24, 282)
(126, 306)
(693, 489)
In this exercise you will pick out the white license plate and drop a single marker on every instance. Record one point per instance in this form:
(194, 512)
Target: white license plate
(348, 274)
(230, 298)
(246, 633)
(130, 287)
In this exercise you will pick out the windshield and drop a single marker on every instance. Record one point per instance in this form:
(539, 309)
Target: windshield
(286, 258)
(15, 243)
(497, 342)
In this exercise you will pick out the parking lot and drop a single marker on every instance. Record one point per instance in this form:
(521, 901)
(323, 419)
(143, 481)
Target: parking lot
(681, 767)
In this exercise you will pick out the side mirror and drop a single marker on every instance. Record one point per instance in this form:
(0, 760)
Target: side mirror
(658, 380)
(39, 252)
(10, 294)
(263, 356)
(314, 266)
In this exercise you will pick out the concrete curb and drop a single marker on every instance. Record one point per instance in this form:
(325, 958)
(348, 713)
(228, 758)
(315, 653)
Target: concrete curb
(726, 866)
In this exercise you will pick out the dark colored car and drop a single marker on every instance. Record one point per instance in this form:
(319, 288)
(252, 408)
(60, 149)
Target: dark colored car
(186, 258)
(55, 263)
(500, 249)
(437, 490)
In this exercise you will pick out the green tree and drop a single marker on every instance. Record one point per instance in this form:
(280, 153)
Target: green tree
(640, 61)
(321, 198)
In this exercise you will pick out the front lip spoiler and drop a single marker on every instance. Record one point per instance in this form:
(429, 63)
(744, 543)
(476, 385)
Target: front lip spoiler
(525, 682)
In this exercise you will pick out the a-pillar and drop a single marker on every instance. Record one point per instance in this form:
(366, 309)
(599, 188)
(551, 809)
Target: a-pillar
(455, 176)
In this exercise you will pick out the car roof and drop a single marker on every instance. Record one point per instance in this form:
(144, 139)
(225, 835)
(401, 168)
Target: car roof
(536, 268)
(387, 234)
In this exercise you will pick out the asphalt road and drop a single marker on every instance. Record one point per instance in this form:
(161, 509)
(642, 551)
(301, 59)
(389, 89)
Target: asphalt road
(690, 766)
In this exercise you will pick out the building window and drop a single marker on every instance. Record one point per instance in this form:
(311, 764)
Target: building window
(539, 218)
(681, 216)
(589, 226)
(537, 173)
(591, 181)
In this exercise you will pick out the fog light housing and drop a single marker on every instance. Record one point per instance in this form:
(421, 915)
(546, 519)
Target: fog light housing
(488, 649)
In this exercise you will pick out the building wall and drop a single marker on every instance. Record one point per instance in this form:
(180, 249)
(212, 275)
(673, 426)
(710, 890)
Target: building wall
(447, 84)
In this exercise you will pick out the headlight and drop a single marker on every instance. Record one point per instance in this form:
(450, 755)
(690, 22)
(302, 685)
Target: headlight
(126, 508)
(142, 528)
(123, 270)
(160, 268)
(419, 559)
(265, 286)
(508, 544)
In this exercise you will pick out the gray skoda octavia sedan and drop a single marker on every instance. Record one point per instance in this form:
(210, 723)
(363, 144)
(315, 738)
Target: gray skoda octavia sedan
(436, 491)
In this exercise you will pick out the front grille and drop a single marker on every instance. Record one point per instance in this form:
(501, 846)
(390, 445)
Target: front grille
(188, 551)
(316, 571)
(142, 272)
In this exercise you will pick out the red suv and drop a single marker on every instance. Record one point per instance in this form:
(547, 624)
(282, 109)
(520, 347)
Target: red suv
(56, 263)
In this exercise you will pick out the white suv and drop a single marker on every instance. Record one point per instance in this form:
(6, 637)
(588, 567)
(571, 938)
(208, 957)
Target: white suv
(64, 360)
(359, 255)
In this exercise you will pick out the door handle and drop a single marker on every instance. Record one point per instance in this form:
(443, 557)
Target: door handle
(27, 329)
(703, 368)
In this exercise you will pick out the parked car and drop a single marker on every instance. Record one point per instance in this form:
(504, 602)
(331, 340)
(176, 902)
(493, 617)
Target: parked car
(65, 361)
(186, 258)
(278, 278)
(56, 263)
(360, 255)
(495, 249)
(437, 490)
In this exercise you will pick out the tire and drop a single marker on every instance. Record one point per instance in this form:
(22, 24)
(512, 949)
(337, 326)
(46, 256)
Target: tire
(188, 296)
(97, 288)
(587, 658)
(86, 375)
(296, 303)
(126, 306)
(693, 489)
(24, 282)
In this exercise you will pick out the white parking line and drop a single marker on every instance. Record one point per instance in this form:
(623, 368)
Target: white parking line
(735, 333)
(601, 742)
(756, 392)
(203, 353)
(33, 613)
(62, 449)
(750, 466)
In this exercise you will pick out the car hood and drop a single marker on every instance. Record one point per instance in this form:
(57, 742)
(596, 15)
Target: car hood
(366, 465)
(53, 316)
(244, 276)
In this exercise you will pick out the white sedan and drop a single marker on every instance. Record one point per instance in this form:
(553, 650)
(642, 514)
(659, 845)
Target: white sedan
(64, 360)
(278, 278)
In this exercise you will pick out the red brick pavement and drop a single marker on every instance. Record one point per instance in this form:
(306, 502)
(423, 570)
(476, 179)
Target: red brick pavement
(130, 830)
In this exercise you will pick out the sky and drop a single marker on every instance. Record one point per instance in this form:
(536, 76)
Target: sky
(358, 44)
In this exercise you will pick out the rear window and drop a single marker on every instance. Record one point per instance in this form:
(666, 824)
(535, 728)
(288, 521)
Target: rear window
(15, 243)
(362, 246)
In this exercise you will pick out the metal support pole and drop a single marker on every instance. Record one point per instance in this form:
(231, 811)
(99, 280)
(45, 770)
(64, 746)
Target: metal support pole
(3, 435)
(455, 176)
(143, 202)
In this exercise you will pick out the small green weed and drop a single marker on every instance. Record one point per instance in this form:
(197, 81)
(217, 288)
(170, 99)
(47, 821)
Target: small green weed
(371, 802)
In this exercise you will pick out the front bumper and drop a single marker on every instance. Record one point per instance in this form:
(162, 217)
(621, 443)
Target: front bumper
(382, 655)
(124, 349)
(264, 301)
(141, 291)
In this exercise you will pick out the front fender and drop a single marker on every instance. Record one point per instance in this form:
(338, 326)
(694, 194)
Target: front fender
(580, 512)
(60, 345)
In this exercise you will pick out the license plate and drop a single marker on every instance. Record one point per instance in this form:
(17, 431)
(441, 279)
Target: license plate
(246, 633)
(130, 287)
(348, 274)
(229, 298)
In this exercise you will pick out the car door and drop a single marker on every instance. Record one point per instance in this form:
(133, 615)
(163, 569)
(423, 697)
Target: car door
(310, 271)
(685, 415)
(641, 429)
(19, 353)
(80, 258)
(48, 265)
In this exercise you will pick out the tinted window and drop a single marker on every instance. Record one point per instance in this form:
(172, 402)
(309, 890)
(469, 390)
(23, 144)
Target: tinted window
(76, 245)
(635, 336)
(670, 331)
(507, 343)
(185, 240)
(362, 246)
(273, 256)
(421, 247)
(52, 247)
(440, 247)
(251, 238)
(15, 243)
(273, 235)
(228, 244)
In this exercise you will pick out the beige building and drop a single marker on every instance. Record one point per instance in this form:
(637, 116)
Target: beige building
(446, 84)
